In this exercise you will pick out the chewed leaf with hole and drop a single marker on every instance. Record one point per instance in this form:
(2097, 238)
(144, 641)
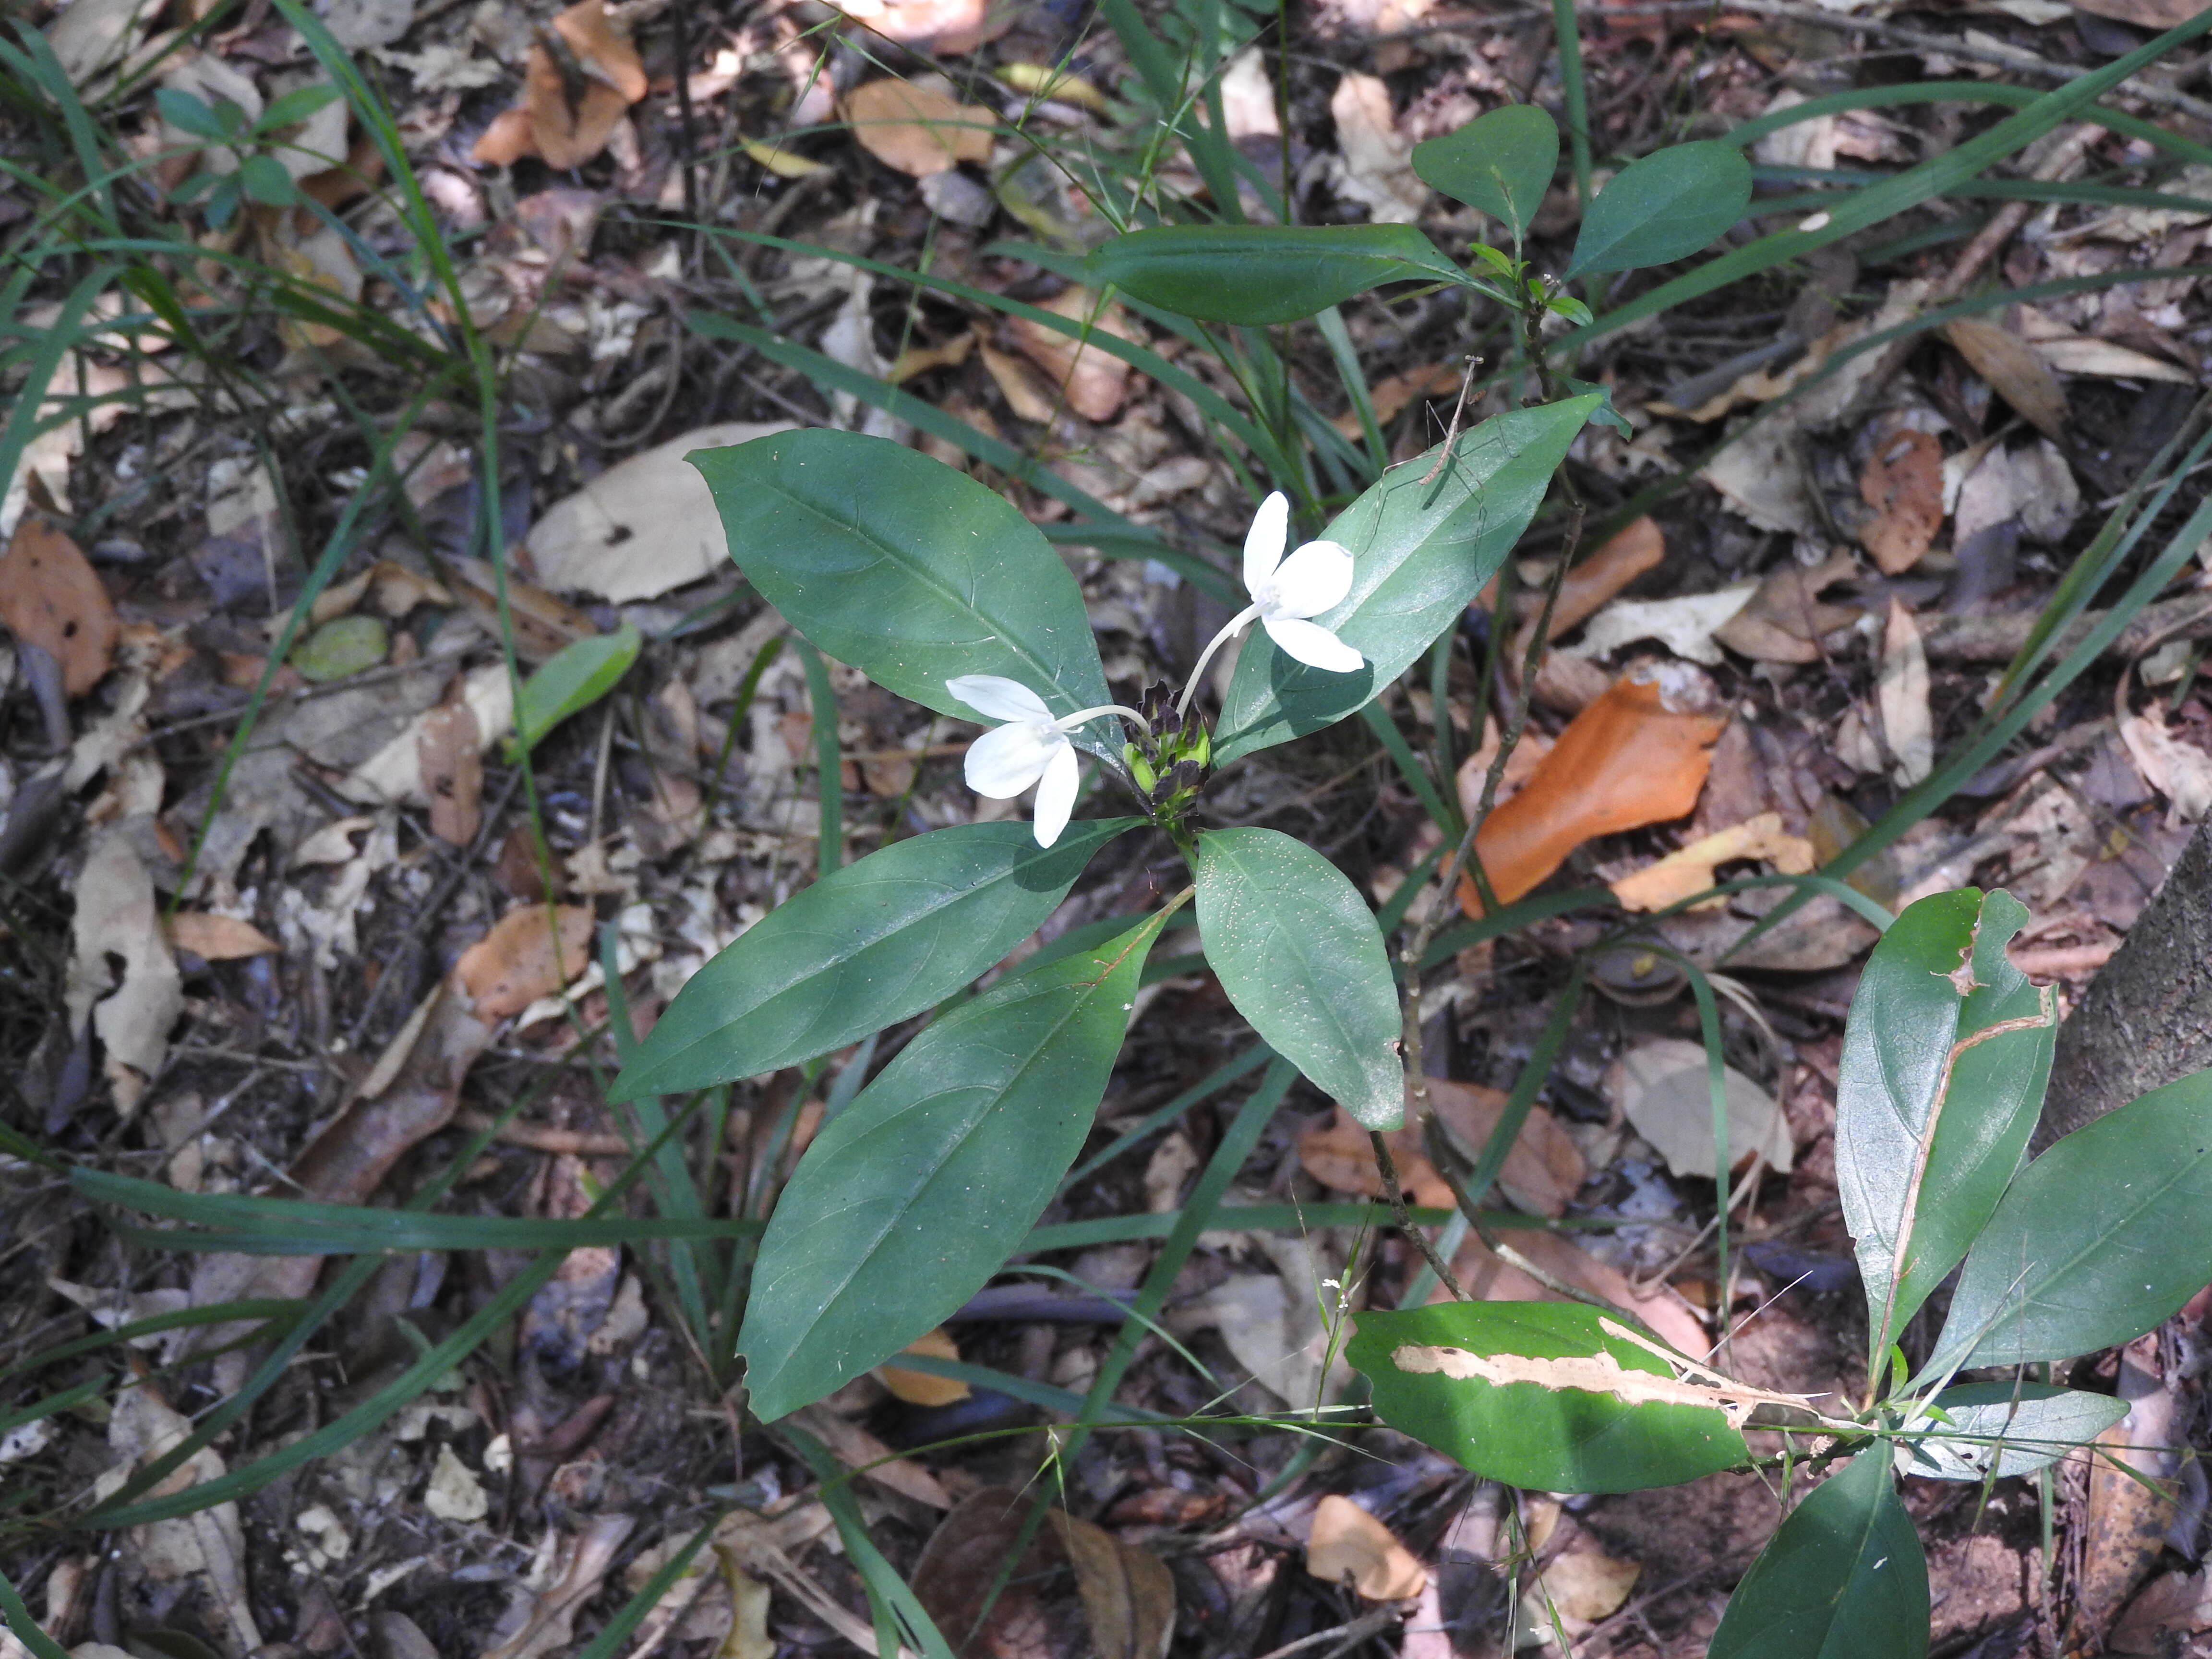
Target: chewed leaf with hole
(1558, 1397)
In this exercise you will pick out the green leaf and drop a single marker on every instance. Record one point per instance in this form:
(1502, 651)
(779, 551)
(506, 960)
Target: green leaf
(1605, 414)
(1663, 208)
(917, 1192)
(295, 107)
(265, 180)
(1258, 274)
(1420, 554)
(222, 202)
(2096, 1241)
(341, 647)
(908, 570)
(1297, 951)
(1494, 1386)
(188, 112)
(876, 942)
(1501, 162)
(1844, 1578)
(2004, 1429)
(571, 680)
(1945, 1059)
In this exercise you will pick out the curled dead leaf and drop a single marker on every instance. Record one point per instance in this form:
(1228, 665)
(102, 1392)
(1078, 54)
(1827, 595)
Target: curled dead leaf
(50, 598)
(926, 1388)
(117, 922)
(1903, 481)
(917, 129)
(2014, 371)
(1637, 756)
(521, 960)
(580, 77)
(1689, 870)
(1125, 1600)
(1901, 693)
(1347, 1542)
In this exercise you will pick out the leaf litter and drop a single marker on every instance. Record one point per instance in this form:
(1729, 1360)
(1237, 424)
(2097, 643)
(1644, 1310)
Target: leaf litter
(361, 963)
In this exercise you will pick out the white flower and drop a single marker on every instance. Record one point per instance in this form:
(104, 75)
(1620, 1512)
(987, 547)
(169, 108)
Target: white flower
(1284, 592)
(1032, 747)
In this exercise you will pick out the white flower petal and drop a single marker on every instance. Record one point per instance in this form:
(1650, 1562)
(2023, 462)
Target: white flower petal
(1311, 580)
(1055, 795)
(1312, 645)
(1265, 541)
(1007, 760)
(1000, 698)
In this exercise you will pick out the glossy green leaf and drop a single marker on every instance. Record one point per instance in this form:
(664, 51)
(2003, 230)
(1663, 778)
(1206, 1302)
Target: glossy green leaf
(917, 1192)
(1945, 1059)
(1537, 1393)
(2096, 1241)
(571, 681)
(1258, 274)
(876, 942)
(2004, 1429)
(1501, 162)
(1420, 554)
(1298, 952)
(1663, 208)
(1844, 1578)
(907, 569)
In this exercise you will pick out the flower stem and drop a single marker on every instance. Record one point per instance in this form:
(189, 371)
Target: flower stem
(1236, 625)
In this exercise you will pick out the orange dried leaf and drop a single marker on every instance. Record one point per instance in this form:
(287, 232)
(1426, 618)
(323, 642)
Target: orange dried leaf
(218, 938)
(451, 750)
(1594, 582)
(515, 963)
(1904, 483)
(926, 1388)
(1542, 1172)
(50, 598)
(604, 52)
(1347, 1542)
(506, 140)
(1637, 756)
(918, 130)
(1093, 383)
(1689, 870)
(567, 135)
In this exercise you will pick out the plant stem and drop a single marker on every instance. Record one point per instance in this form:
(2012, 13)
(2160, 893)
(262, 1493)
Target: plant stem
(1391, 1190)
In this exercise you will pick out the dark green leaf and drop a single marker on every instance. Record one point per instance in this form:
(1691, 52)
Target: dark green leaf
(188, 113)
(1258, 274)
(1944, 1062)
(295, 107)
(1501, 162)
(876, 942)
(1844, 1578)
(917, 1192)
(2008, 1428)
(222, 202)
(265, 180)
(1491, 1385)
(1605, 414)
(571, 680)
(1297, 951)
(907, 569)
(1420, 554)
(1665, 207)
(2096, 1241)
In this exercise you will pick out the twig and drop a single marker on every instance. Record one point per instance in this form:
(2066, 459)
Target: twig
(1346, 1636)
(1391, 1190)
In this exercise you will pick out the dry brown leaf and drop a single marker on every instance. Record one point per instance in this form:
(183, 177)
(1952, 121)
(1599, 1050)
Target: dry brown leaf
(2014, 370)
(2106, 360)
(1597, 579)
(926, 1388)
(1393, 391)
(1901, 694)
(1021, 386)
(1124, 1602)
(1347, 1542)
(919, 360)
(1637, 756)
(947, 27)
(1664, 1088)
(116, 921)
(1785, 620)
(449, 749)
(218, 938)
(1489, 1278)
(542, 624)
(575, 1573)
(643, 528)
(1904, 483)
(506, 140)
(1685, 624)
(399, 771)
(2130, 1500)
(1762, 474)
(1689, 870)
(50, 598)
(2178, 769)
(859, 1449)
(1520, 765)
(1583, 1586)
(2178, 1605)
(1093, 383)
(514, 965)
(209, 1542)
(918, 130)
